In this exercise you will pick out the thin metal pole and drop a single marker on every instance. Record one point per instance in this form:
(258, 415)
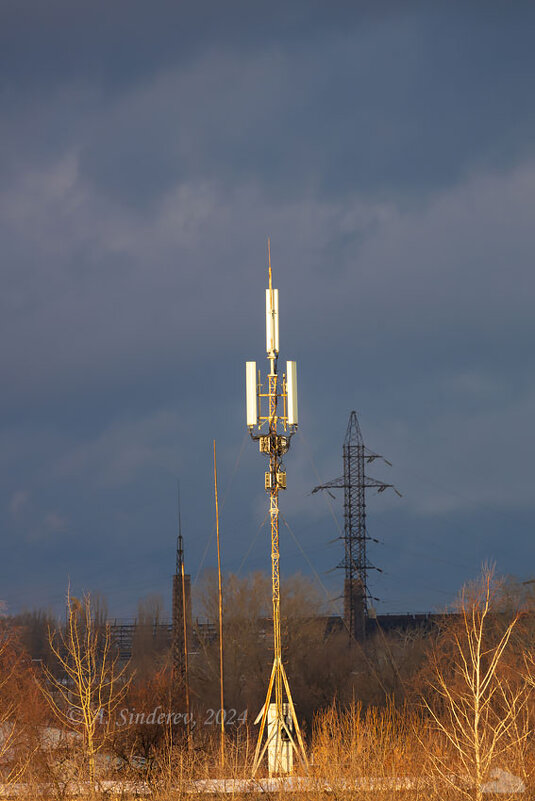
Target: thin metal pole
(220, 601)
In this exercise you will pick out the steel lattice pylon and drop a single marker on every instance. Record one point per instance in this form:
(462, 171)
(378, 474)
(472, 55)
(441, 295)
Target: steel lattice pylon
(355, 563)
(181, 613)
(179, 660)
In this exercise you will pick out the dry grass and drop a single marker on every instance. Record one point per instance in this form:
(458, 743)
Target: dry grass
(374, 754)
(470, 722)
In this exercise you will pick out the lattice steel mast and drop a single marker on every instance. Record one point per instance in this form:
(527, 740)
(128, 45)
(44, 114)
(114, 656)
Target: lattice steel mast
(181, 612)
(355, 563)
(283, 733)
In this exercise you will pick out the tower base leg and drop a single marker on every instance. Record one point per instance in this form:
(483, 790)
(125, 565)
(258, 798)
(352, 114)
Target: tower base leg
(279, 722)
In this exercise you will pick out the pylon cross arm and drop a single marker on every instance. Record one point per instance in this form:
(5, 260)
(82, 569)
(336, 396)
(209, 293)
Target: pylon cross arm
(338, 483)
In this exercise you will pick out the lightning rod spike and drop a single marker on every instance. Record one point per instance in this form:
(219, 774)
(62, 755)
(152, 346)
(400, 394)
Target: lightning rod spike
(269, 262)
(180, 540)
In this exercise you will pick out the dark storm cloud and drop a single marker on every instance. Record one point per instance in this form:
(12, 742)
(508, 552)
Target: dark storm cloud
(120, 43)
(327, 98)
(392, 106)
(388, 152)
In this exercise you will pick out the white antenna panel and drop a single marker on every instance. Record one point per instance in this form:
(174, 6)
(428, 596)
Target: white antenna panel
(272, 321)
(291, 389)
(250, 388)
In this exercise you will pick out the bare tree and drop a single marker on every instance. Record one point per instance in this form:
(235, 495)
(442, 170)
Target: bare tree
(85, 698)
(150, 643)
(16, 746)
(476, 706)
(319, 663)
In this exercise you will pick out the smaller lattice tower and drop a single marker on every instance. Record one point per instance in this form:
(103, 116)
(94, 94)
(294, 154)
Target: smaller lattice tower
(181, 613)
(355, 563)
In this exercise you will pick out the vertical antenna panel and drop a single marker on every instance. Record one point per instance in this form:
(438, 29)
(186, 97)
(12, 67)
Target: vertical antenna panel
(291, 388)
(272, 321)
(250, 387)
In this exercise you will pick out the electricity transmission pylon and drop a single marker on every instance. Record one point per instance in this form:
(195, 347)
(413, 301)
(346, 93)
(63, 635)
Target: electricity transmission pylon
(355, 563)
(269, 407)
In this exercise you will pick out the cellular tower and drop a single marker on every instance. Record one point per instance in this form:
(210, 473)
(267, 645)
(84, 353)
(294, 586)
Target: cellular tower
(272, 408)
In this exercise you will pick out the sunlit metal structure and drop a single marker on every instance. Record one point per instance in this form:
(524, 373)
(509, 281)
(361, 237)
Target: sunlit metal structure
(272, 419)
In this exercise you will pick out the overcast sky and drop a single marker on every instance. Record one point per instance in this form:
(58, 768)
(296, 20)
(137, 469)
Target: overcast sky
(146, 155)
